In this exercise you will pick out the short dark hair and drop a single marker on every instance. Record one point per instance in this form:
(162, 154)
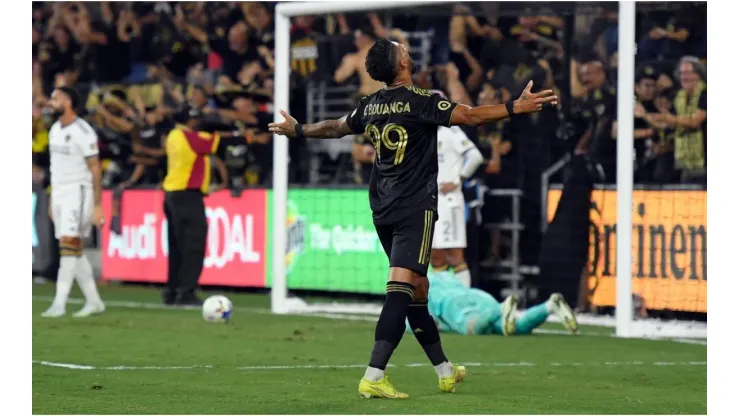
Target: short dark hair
(186, 113)
(646, 72)
(381, 61)
(74, 98)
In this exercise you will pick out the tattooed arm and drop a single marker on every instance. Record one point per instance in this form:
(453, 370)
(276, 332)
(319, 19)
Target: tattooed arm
(328, 129)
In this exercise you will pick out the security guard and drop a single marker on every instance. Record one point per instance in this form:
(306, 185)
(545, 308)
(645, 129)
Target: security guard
(186, 183)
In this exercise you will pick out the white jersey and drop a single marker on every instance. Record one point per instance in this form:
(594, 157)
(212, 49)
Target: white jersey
(69, 147)
(452, 146)
(452, 143)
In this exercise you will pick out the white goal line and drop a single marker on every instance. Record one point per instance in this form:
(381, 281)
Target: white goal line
(70, 366)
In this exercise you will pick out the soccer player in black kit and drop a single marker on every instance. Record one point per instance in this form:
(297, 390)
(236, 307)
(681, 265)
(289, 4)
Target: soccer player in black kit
(401, 120)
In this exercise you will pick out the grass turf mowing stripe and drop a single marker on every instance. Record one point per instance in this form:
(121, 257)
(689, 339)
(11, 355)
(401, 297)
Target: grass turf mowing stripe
(263, 311)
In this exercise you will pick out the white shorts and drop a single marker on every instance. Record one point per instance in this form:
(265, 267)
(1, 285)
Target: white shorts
(72, 210)
(449, 232)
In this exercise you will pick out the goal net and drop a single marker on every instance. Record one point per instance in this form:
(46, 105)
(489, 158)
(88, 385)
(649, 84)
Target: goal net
(325, 254)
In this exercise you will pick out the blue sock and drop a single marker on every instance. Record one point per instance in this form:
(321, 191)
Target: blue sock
(531, 319)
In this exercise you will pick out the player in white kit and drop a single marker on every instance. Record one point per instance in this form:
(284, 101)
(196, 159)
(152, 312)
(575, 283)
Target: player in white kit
(75, 200)
(458, 160)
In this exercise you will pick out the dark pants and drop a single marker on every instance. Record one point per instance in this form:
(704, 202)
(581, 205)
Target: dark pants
(187, 230)
(565, 245)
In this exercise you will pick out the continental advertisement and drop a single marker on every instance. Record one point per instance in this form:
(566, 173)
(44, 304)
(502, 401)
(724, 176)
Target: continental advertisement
(669, 247)
(332, 245)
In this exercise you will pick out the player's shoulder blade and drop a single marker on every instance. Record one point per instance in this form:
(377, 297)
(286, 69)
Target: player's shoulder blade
(423, 99)
(420, 92)
(83, 125)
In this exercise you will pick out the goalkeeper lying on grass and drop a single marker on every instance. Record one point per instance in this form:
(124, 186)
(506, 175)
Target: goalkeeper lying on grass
(467, 311)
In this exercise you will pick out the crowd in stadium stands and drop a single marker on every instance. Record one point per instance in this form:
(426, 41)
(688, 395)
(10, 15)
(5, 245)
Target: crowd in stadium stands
(135, 64)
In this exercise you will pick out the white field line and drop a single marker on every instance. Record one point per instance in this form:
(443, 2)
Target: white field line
(366, 318)
(351, 366)
(691, 341)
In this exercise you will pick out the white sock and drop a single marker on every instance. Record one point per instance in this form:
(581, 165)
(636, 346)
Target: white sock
(86, 281)
(464, 277)
(374, 374)
(444, 370)
(65, 278)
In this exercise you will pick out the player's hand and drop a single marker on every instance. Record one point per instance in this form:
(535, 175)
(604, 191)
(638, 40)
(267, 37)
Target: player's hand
(640, 111)
(264, 51)
(98, 217)
(447, 187)
(286, 128)
(657, 33)
(530, 102)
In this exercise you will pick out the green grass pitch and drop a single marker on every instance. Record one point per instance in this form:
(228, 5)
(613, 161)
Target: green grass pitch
(266, 364)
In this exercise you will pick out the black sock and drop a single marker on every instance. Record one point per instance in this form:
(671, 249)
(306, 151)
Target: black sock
(392, 322)
(426, 332)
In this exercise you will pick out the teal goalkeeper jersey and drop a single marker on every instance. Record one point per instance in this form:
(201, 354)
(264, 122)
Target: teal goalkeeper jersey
(452, 304)
(449, 297)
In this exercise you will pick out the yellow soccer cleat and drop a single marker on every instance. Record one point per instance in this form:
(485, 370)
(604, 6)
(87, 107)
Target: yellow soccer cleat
(508, 314)
(564, 312)
(447, 384)
(382, 389)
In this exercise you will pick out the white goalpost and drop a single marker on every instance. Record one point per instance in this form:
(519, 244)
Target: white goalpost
(625, 324)
(625, 143)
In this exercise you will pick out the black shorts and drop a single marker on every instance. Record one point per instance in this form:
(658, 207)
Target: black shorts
(408, 242)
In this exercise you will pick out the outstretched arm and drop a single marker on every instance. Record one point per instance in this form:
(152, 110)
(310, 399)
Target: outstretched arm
(327, 129)
(526, 103)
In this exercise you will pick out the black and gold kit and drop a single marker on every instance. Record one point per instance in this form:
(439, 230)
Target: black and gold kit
(402, 125)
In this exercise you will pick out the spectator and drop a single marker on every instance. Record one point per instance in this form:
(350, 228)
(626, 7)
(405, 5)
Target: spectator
(108, 39)
(539, 34)
(475, 71)
(148, 148)
(501, 168)
(259, 20)
(448, 77)
(40, 147)
(601, 104)
(355, 64)
(646, 138)
(689, 118)
(667, 38)
(114, 121)
(219, 175)
(59, 55)
(235, 50)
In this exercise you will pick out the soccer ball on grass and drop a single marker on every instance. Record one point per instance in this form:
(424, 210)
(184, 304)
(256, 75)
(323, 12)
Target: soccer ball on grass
(217, 308)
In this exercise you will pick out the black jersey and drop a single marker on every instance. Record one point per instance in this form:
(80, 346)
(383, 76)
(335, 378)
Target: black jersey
(402, 125)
